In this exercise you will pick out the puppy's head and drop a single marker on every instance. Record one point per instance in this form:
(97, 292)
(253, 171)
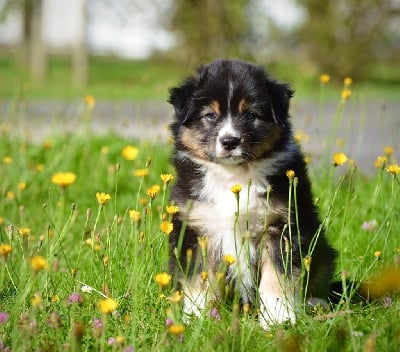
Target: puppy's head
(231, 112)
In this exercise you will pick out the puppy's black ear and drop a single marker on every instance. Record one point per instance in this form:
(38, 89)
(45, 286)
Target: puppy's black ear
(180, 97)
(280, 99)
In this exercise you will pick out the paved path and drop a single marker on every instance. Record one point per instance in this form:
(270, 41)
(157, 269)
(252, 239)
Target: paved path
(364, 127)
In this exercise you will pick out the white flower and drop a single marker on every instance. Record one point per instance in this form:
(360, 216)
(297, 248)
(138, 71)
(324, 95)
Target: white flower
(86, 289)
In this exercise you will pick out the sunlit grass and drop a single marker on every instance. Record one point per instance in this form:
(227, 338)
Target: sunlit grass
(84, 224)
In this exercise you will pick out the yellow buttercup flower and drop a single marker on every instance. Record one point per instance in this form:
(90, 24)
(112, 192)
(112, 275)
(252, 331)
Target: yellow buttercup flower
(102, 198)
(166, 227)
(380, 162)
(90, 101)
(290, 174)
(346, 94)
(394, 169)
(107, 305)
(339, 159)
(236, 188)
(388, 150)
(7, 160)
(63, 179)
(378, 254)
(347, 81)
(228, 259)
(135, 216)
(204, 275)
(24, 231)
(130, 152)
(176, 329)
(21, 186)
(324, 78)
(141, 172)
(163, 279)
(5, 250)
(172, 209)
(38, 263)
(153, 191)
(166, 178)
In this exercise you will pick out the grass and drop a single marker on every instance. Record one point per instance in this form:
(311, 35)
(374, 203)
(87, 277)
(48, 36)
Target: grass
(112, 78)
(70, 252)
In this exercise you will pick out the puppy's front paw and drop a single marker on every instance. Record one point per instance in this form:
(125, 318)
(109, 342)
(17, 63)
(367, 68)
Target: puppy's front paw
(275, 310)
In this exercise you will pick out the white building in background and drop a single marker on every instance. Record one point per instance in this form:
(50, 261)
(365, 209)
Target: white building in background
(123, 28)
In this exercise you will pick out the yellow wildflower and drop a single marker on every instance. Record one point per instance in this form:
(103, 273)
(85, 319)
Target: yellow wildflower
(176, 329)
(346, 94)
(204, 275)
(102, 198)
(339, 159)
(38, 263)
(347, 81)
(176, 297)
(24, 231)
(63, 179)
(107, 305)
(135, 215)
(21, 186)
(324, 78)
(172, 209)
(36, 300)
(290, 174)
(7, 160)
(141, 172)
(203, 244)
(394, 169)
(10, 195)
(163, 279)
(166, 178)
(378, 254)
(90, 101)
(307, 263)
(130, 152)
(387, 282)
(236, 188)
(228, 259)
(153, 191)
(380, 162)
(388, 150)
(5, 250)
(166, 227)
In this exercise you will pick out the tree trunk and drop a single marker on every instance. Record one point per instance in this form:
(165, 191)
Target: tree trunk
(80, 52)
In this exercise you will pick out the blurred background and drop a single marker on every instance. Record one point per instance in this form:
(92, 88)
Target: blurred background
(303, 38)
(127, 53)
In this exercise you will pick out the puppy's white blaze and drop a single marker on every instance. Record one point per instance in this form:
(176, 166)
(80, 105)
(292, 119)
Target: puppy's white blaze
(230, 94)
(227, 130)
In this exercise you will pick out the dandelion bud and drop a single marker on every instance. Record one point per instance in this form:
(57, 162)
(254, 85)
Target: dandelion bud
(88, 213)
(148, 162)
(307, 263)
(117, 166)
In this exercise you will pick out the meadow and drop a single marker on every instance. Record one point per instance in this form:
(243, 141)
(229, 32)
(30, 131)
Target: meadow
(84, 224)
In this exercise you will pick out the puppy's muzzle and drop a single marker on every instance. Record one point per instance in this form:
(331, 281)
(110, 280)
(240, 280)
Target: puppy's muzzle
(230, 142)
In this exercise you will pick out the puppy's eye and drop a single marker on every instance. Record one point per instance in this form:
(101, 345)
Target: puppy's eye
(210, 116)
(249, 115)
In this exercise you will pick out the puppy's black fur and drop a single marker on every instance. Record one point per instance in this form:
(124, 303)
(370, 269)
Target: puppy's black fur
(231, 125)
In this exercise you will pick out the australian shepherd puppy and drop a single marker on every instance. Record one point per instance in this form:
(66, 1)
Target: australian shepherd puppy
(231, 127)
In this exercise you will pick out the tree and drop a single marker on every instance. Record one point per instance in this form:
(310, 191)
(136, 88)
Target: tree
(346, 37)
(207, 29)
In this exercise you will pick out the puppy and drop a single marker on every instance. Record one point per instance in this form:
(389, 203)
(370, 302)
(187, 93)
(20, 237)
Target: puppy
(231, 127)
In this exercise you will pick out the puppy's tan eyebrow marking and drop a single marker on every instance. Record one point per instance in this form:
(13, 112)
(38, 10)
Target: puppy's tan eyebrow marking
(243, 105)
(214, 105)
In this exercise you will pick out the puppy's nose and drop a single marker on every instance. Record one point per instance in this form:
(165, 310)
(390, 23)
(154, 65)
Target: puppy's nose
(230, 142)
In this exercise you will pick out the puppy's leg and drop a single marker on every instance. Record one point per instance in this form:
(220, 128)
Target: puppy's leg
(195, 296)
(277, 293)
